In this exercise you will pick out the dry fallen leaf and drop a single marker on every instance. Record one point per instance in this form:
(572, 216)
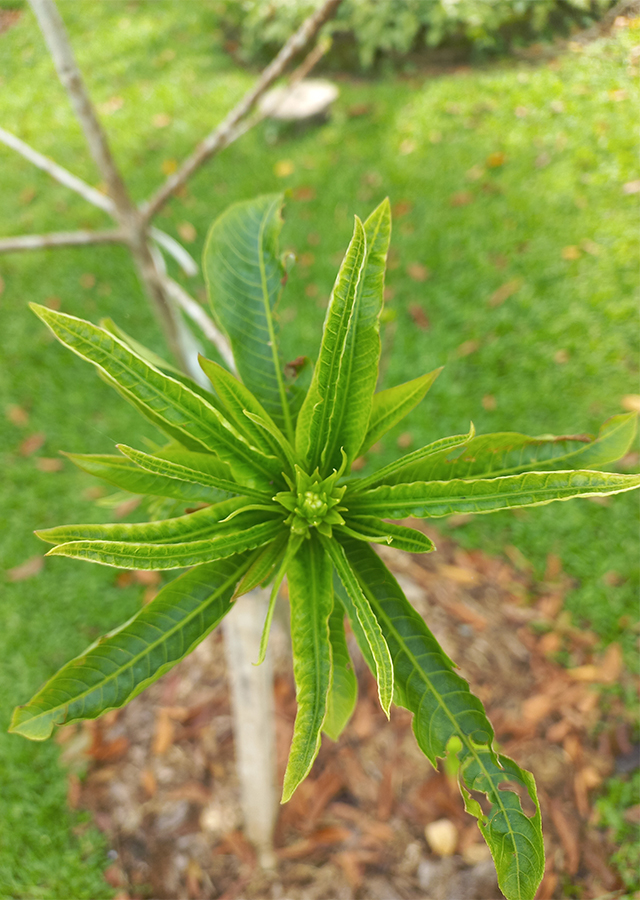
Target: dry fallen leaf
(521, 112)
(49, 464)
(461, 198)
(505, 291)
(304, 193)
(169, 166)
(631, 402)
(610, 668)
(442, 837)
(161, 120)
(419, 316)
(306, 259)
(87, 280)
(489, 402)
(164, 734)
(418, 272)
(407, 146)
(32, 443)
(405, 440)
(53, 302)
(187, 232)
(311, 290)
(466, 348)
(401, 208)
(110, 106)
(17, 415)
(561, 357)
(27, 569)
(571, 252)
(617, 96)
(475, 173)
(591, 247)
(556, 106)
(631, 187)
(495, 160)
(283, 168)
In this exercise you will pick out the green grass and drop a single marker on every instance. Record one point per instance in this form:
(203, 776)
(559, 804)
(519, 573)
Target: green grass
(522, 214)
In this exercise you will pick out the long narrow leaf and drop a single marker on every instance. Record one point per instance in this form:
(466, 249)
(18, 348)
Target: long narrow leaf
(311, 600)
(125, 474)
(167, 399)
(263, 565)
(391, 406)
(444, 498)
(343, 692)
(244, 276)
(319, 422)
(121, 664)
(491, 455)
(444, 708)
(212, 476)
(368, 623)
(385, 475)
(123, 555)
(195, 526)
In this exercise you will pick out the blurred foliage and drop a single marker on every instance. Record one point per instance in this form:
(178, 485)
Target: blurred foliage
(618, 809)
(394, 28)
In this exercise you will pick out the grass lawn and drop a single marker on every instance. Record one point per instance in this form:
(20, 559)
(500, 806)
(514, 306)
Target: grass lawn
(512, 175)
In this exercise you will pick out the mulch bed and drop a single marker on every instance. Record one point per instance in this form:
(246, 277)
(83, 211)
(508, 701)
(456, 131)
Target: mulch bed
(161, 785)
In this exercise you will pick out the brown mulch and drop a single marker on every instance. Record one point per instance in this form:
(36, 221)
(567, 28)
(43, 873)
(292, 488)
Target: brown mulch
(161, 784)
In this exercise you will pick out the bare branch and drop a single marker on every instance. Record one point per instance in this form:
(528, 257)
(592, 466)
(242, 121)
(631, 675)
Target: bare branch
(57, 172)
(60, 239)
(223, 135)
(197, 314)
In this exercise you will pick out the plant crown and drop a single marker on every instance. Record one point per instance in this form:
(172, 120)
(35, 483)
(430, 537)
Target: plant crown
(265, 458)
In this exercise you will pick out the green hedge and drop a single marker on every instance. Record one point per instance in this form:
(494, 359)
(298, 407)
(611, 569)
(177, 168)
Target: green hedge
(368, 30)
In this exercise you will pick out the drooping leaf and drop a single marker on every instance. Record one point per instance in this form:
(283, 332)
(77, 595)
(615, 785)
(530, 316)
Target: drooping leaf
(374, 530)
(263, 566)
(125, 474)
(385, 475)
(167, 400)
(311, 601)
(237, 402)
(337, 408)
(391, 406)
(244, 276)
(210, 472)
(444, 498)
(298, 375)
(491, 455)
(343, 692)
(121, 664)
(293, 546)
(195, 526)
(444, 709)
(123, 555)
(367, 621)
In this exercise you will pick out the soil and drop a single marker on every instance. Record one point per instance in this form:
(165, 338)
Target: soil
(158, 776)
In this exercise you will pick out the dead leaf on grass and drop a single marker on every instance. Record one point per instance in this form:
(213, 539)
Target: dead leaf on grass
(508, 289)
(418, 272)
(17, 415)
(49, 464)
(419, 316)
(495, 160)
(28, 569)
(461, 198)
(631, 402)
(187, 232)
(32, 443)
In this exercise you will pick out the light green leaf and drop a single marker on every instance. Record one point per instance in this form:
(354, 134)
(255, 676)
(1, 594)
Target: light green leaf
(387, 473)
(311, 601)
(244, 277)
(444, 498)
(337, 408)
(343, 692)
(168, 401)
(199, 468)
(298, 375)
(292, 548)
(391, 406)
(444, 709)
(126, 475)
(194, 526)
(367, 621)
(123, 555)
(490, 455)
(121, 664)
(243, 410)
(374, 530)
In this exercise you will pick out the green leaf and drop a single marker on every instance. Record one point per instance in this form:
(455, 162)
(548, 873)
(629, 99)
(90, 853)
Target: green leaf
(444, 709)
(337, 408)
(311, 601)
(126, 475)
(372, 529)
(444, 498)
(293, 546)
(124, 555)
(194, 526)
(243, 409)
(244, 277)
(118, 666)
(168, 401)
(298, 375)
(263, 565)
(386, 474)
(490, 455)
(391, 406)
(343, 692)
(367, 621)
(198, 468)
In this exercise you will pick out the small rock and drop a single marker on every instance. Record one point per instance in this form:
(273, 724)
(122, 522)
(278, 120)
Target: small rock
(442, 837)
(306, 99)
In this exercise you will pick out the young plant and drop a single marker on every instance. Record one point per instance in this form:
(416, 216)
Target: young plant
(267, 459)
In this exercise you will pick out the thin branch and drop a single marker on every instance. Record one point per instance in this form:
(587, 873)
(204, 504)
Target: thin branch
(222, 136)
(197, 314)
(57, 172)
(60, 239)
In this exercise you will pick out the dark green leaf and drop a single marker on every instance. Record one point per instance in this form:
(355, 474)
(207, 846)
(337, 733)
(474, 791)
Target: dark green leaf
(372, 529)
(444, 709)
(121, 664)
(244, 276)
(343, 692)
